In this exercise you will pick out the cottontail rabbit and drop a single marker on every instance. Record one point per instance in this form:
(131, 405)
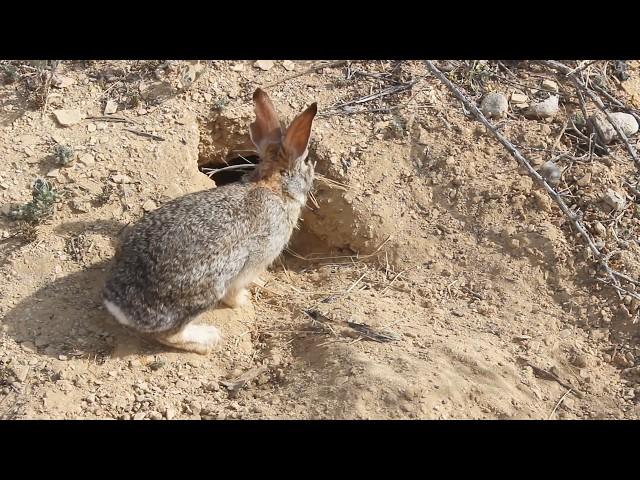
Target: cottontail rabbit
(207, 247)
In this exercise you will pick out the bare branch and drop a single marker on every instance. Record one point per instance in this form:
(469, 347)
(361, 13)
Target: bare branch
(573, 217)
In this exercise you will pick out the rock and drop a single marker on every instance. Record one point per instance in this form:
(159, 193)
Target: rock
(585, 180)
(149, 205)
(238, 67)
(193, 72)
(494, 105)
(289, 65)
(519, 98)
(87, 160)
(53, 173)
(111, 107)
(580, 361)
(21, 372)
(155, 415)
(551, 172)
(613, 199)
(599, 229)
(60, 81)
(621, 361)
(546, 109)
(182, 384)
(566, 333)
(79, 206)
(170, 413)
(626, 122)
(140, 416)
(66, 118)
(550, 85)
(91, 127)
(119, 178)
(603, 128)
(264, 64)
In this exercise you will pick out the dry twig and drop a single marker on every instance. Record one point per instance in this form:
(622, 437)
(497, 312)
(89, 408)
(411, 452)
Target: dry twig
(574, 218)
(581, 86)
(542, 373)
(559, 403)
(307, 71)
(144, 134)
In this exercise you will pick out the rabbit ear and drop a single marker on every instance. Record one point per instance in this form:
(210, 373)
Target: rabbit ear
(266, 128)
(296, 139)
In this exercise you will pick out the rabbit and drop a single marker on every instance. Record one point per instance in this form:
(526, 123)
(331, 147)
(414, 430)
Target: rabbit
(205, 248)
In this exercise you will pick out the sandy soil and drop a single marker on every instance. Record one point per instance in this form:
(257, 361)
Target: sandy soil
(422, 228)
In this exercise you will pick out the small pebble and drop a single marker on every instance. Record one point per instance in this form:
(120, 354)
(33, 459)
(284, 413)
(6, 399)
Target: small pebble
(519, 98)
(119, 178)
(149, 205)
(155, 415)
(551, 172)
(87, 160)
(264, 64)
(613, 199)
(66, 118)
(545, 109)
(21, 373)
(494, 105)
(599, 229)
(580, 361)
(585, 180)
(111, 107)
(550, 85)
(626, 122)
(60, 81)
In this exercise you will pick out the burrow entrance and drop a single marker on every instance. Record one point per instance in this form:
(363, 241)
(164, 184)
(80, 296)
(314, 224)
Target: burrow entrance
(329, 224)
(225, 173)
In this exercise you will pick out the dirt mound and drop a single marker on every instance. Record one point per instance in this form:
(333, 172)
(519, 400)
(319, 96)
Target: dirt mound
(429, 277)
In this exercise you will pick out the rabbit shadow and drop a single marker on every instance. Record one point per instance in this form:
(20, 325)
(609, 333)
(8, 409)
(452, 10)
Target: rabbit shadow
(66, 315)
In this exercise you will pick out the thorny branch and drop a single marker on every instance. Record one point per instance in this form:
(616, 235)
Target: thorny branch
(574, 217)
(581, 86)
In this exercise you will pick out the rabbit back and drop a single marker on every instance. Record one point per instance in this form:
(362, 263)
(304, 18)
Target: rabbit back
(180, 259)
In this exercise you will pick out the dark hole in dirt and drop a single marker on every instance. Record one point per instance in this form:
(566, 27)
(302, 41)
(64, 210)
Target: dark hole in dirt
(224, 177)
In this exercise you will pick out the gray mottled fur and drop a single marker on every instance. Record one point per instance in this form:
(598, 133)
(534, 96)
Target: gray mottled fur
(182, 258)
